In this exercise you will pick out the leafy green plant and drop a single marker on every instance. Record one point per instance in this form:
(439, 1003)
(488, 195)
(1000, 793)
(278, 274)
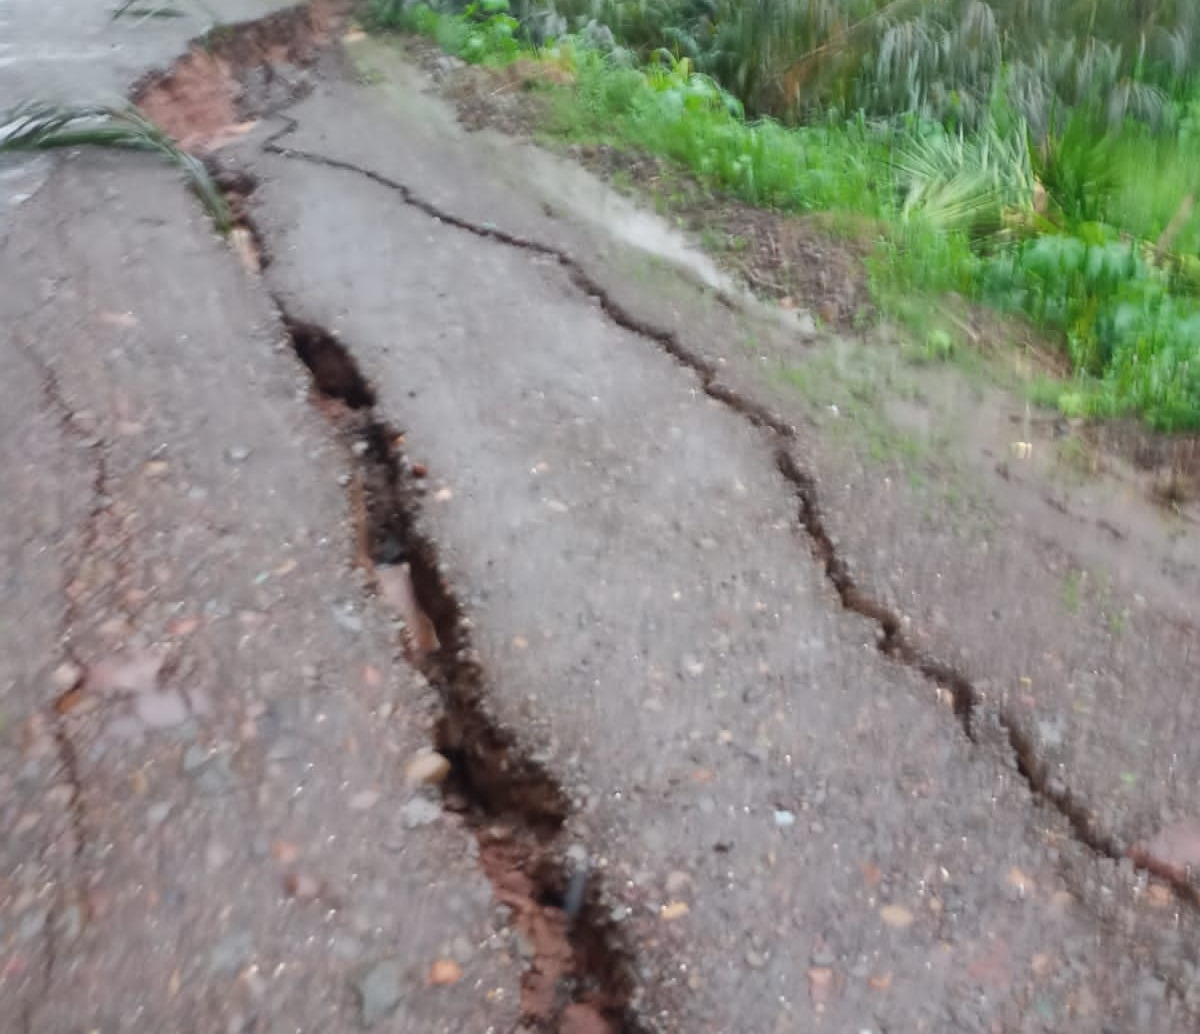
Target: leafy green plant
(963, 182)
(484, 31)
(1136, 345)
(491, 32)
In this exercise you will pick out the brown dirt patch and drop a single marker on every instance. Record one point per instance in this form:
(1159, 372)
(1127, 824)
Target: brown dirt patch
(513, 99)
(517, 868)
(202, 100)
(796, 260)
(1172, 461)
(195, 101)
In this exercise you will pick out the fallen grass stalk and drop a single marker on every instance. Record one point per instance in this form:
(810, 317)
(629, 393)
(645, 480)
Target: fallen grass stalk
(36, 126)
(142, 13)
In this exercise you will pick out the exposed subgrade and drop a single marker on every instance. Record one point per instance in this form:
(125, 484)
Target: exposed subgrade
(581, 972)
(970, 707)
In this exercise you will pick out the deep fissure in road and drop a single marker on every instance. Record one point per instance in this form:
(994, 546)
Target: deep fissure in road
(515, 808)
(580, 976)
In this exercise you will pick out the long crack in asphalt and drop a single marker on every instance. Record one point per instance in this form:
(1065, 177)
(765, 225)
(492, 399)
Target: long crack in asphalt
(58, 716)
(514, 807)
(969, 705)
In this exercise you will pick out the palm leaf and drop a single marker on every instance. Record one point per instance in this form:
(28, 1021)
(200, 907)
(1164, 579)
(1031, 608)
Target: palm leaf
(962, 182)
(35, 126)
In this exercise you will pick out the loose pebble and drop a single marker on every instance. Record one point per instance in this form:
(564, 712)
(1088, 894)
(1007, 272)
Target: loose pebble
(821, 985)
(445, 971)
(161, 710)
(67, 676)
(674, 910)
(302, 886)
(896, 916)
(133, 671)
(157, 814)
(230, 953)
(364, 800)
(419, 812)
(1016, 878)
(379, 991)
(427, 767)
(215, 856)
(284, 852)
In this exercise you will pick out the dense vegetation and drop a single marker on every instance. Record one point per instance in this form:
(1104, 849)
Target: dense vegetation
(1040, 156)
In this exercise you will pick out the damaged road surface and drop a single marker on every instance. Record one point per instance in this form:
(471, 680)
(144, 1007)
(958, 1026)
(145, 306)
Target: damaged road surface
(677, 784)
(208, 822)
(785, 825)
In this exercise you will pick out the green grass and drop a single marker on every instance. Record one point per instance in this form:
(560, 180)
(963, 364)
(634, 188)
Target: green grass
(1065, 223)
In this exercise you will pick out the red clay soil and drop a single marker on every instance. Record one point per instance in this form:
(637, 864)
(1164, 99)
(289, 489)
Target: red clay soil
(196, 100)
(508, 863)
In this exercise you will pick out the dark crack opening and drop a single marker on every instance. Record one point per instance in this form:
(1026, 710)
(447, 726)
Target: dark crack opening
(334, 375)
(237, 185)
(513, 806)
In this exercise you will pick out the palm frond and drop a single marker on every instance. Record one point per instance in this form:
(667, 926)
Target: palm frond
(36, 126)
(960, 182)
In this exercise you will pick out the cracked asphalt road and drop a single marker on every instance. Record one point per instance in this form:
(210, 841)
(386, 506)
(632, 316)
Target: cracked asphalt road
(207, 720)
(244, 852)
